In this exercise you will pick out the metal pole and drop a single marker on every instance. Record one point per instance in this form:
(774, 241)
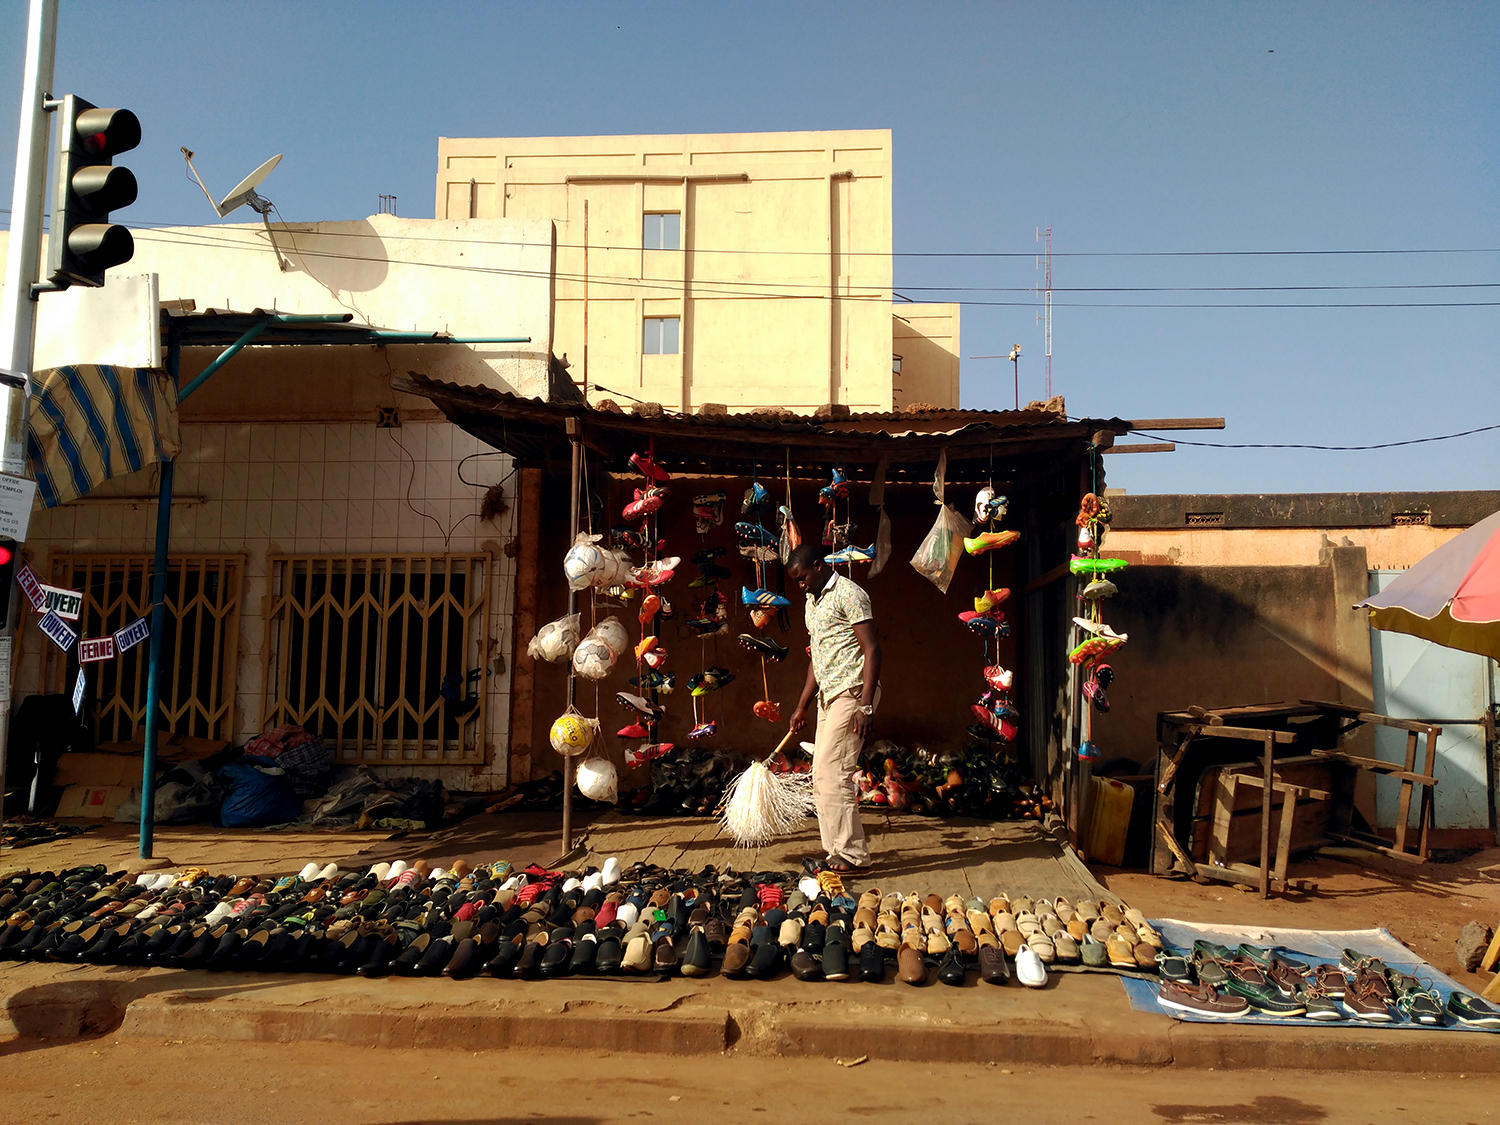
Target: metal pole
(158, 627)
(18, 309)
(573, 521)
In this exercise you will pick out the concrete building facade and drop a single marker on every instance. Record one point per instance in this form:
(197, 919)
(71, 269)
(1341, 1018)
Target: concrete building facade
(752, 270)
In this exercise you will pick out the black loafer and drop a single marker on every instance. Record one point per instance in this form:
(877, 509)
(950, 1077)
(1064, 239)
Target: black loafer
(805, 966)
(835, 961)
(695, 960)
(952, 971)
(871, 963)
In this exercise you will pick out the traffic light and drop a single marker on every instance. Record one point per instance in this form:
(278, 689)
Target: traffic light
(86, 187)
(7, 577)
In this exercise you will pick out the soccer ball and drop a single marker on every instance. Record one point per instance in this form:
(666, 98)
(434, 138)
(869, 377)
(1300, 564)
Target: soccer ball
(571, 734)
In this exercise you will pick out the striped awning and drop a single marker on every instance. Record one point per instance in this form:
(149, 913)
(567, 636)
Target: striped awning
(90, 422)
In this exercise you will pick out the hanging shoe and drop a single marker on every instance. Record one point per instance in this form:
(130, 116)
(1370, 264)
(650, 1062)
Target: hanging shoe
(708, 554)
(649, 468)
(985, 624)
(851, 555)
(1093, 691)
(650, 606)
(710, 679)
(1081, 564)
(753, 533)
(707, 626)
(999, 678)
(1099, 589)
(663, 682)
(762, 598)
(1095, 647)
(767, 709)
(988, 505)
(990, 600)
(1001, 726)
(755, 496)
(760, 618)
(654, 574)
(1099, 629)
(704, 730)
(645, 645)
(637, 703)
(989, 541)
(836, 489)
(656, 657)
(647, 501)
(789, 527)
(758, 552)
(765, 646)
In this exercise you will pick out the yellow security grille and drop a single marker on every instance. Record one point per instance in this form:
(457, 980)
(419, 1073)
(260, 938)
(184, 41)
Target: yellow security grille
(359, 648)
(200, 641)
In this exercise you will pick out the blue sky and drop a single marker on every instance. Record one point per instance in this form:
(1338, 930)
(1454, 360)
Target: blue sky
(1128, 127)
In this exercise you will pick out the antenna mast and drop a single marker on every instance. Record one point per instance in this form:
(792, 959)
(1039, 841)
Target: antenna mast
(1047, 309)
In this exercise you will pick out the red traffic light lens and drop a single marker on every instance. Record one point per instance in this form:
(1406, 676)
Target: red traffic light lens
(5, 555)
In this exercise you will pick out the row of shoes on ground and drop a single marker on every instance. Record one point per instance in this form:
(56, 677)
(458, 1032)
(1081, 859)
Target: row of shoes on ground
(1215, 980)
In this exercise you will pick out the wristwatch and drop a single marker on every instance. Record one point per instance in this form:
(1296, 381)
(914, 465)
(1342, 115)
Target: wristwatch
(868, 711)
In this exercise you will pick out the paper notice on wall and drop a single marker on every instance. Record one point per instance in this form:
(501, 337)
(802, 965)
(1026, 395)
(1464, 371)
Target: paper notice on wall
(5, 650)
(96, 648)
(56, 628)
(132, 635)
(31, 588)
(78, 686)
(17, 494)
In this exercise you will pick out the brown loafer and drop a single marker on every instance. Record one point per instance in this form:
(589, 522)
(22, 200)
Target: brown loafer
(910, 967)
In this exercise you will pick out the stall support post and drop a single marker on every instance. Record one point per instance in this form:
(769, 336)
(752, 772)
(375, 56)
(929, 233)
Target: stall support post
(1265, 814)
(158, 626)
(575, 436)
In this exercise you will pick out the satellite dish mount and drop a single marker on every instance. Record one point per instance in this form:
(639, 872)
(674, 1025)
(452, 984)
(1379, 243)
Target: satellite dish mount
(242, 194)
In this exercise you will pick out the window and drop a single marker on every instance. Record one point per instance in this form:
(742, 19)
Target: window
(200, 642)
(381, 655)
(660, 335)
(662, 231)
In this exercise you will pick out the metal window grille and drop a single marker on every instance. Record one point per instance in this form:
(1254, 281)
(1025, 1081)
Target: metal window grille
(358, 648)
(200, 641)
(1410, 519)
(1205, 519)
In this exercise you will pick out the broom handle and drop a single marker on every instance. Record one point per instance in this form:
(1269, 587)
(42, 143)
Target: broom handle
(780, 746)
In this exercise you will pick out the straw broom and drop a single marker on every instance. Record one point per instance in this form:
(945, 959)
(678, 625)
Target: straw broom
(760, 805)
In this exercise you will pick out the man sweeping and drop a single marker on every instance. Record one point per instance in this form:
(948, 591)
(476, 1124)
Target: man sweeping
(845, 677)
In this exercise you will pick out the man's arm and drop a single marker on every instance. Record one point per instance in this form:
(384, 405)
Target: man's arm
(869, 643)
(809, 689)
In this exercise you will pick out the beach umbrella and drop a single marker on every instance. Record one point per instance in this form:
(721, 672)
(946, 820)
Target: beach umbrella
(1451, 597)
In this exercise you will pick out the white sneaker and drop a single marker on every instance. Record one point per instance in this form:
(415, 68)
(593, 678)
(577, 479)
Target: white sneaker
(331, 871)
(397, 869)
(570, 885)
(380, 870)
(308, 874)
(218, 914)
(514, 883)
(611, 872)
(1029, 968)
(438, 875)
(1099, 629)
(628, 914)
(594, 882)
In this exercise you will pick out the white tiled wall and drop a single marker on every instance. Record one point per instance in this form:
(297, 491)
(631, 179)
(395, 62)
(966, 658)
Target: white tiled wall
(325, 489)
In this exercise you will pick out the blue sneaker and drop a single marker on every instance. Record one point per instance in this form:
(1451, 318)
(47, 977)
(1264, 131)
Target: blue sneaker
(755, 496)
(754, 533)
(762, 598)
(851, 555)
(838, 489)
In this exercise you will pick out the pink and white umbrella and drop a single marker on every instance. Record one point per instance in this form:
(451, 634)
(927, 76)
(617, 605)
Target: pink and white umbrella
(1451, 597)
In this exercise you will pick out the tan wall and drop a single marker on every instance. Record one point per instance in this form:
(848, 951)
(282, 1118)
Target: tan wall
(782, 282)
(485, 277)
(1388, 548)
(926, 339)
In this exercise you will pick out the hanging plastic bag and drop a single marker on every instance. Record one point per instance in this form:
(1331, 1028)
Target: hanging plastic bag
(573, 733)
(882, 544)
(598, 780)
(612, 633)
(937, 557)
(555, 641)
(598, 652)
(587, 564)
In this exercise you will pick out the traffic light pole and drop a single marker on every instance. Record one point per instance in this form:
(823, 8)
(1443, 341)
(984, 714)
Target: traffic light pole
(18, 309)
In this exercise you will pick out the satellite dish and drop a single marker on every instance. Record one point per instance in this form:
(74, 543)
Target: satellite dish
(244, 191)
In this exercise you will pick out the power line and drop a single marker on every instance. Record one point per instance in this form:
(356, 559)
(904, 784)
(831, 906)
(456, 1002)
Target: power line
(1333, 448)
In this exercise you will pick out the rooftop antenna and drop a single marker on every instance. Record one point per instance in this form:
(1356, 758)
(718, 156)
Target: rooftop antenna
(1047, 303)
(242, 193)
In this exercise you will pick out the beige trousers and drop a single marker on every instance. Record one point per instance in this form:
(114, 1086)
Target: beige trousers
(836, 749)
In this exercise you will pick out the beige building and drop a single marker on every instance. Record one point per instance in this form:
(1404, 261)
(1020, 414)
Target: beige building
(747, 269)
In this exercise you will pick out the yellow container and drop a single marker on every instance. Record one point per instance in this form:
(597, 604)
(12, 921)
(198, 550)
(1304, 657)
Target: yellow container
(1109, 821)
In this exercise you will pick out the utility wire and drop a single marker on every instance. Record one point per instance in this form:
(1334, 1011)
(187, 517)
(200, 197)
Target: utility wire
(1334, 448)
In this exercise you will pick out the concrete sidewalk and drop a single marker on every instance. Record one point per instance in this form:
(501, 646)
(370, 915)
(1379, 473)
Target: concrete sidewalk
(1078, 1019)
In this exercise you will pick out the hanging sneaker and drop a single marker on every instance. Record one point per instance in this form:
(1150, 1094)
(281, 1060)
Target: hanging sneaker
(1003, 727)
(707, 626)
(710, 679)
(710, 574)
(634, 730)
(650, 605)
(765, 646)
(649, 468)
(646, 501)
(851, 555)
(990, 600)
(767, 709)
(656, 657)
(1095, 647)
(760, 618)
(1080, 564)
(755, 534)
(654, 574)
(1100, 629)
(1094, 693)
(762, 598)
(707, 555)
(639, 703)
(663, 682)
(999, 678)
(836, 489)
(985, 624)
(789, 530)
(704, 730)
(755, 496)
(758, 552)
(1099, 589)
(989, 541)
(988, 505)
(646, 645)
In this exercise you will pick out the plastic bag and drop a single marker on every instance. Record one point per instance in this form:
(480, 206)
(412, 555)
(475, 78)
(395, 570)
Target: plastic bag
(598, 780)
(937, 558)
(587, 564)
(612, 633)
(555, 641)
(256, 797)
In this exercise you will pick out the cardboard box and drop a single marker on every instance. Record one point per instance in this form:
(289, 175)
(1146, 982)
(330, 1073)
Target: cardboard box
(97, 801)
(98, 770)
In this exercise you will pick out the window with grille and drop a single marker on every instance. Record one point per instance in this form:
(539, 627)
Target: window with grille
(200, 642)
(381, 655)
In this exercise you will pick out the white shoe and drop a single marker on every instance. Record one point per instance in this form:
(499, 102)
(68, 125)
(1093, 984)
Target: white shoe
(1099, 629)
(438, 875)
(594, 882)
(611, 872)
(570, 885)
(218, 914)
(309, 874)
(809, 886)
(397, 870)
(514, 883)
(628, 914)
(380, 870)
(331, 871)
(1029, 968)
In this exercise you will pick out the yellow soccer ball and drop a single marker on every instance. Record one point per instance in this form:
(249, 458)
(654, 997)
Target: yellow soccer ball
(571, 734)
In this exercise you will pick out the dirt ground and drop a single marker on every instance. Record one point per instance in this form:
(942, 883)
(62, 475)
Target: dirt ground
(107, 1080)
(1424, 905)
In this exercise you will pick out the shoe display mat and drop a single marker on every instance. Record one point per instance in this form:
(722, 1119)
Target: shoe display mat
(1316, 947)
